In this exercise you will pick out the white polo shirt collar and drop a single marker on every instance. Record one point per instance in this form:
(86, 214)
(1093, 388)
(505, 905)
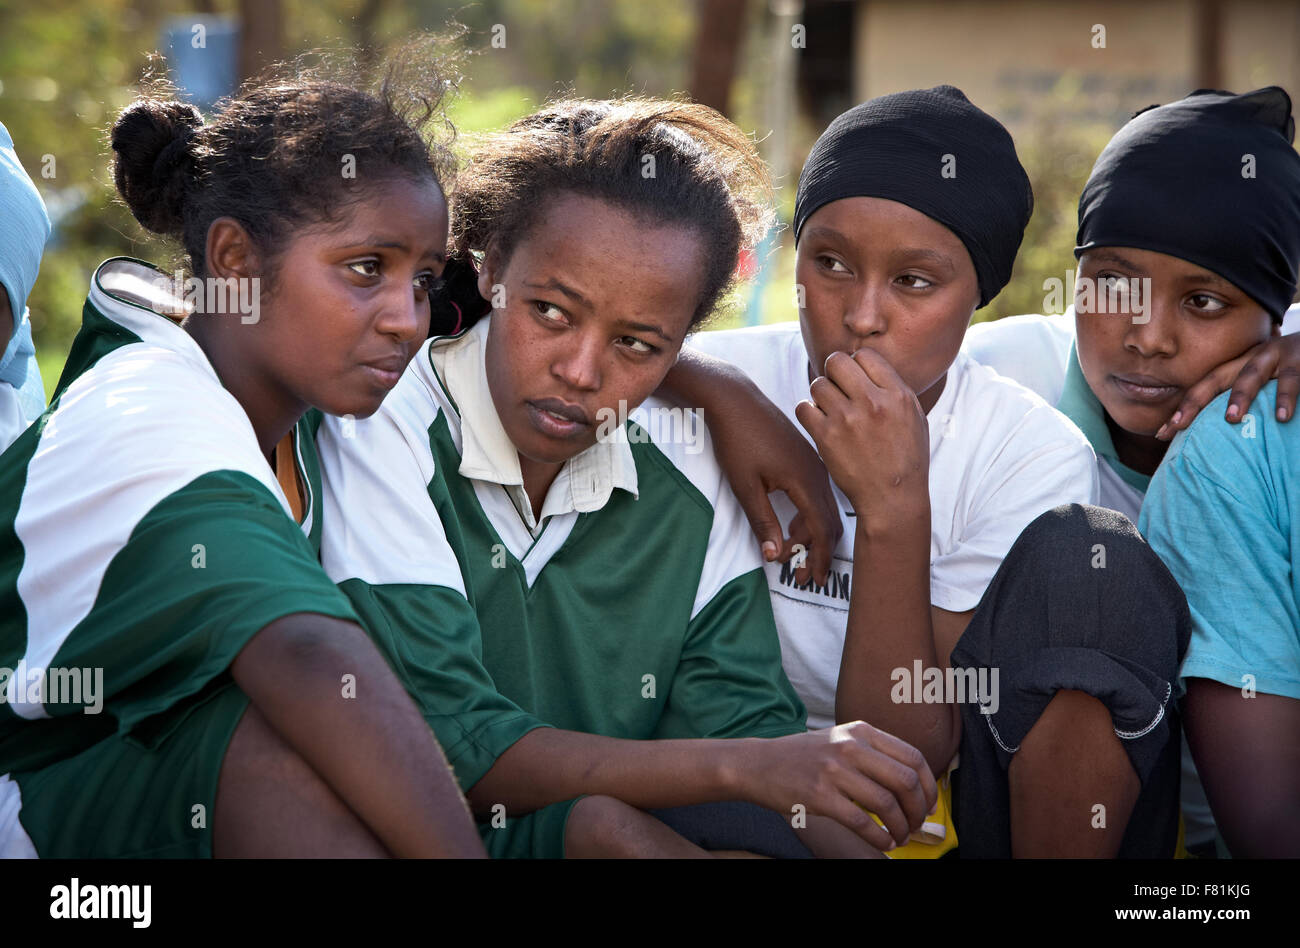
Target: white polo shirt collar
(585, 482)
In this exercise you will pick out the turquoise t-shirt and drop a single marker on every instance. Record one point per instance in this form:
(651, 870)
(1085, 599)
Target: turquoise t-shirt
(1223, 512)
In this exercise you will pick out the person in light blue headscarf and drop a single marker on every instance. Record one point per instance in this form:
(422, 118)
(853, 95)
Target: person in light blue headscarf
(24, 228)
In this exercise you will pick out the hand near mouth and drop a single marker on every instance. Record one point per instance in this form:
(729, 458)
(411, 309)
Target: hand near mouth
(872, 434)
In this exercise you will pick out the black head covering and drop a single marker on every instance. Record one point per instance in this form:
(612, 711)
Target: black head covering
(894, 147)
(1177, 180)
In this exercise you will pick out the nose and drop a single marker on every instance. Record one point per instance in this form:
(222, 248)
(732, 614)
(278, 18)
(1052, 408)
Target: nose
(578, 364)
(401, 316)
(1155, 334)
(865, 315)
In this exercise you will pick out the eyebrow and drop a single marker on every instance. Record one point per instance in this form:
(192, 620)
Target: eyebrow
(1110, 256)
(1200, 276)
(374, 240)
(646, 327)
(926, 253)
(554, 284)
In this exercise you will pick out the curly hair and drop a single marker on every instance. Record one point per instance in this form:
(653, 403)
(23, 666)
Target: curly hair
(665, 161)
(275, 155)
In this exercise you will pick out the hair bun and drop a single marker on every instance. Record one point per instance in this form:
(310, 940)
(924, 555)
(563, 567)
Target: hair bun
(153, 149)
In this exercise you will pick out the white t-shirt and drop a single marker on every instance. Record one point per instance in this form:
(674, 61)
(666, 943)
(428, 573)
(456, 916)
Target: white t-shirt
(999, 457)
(1035, 351)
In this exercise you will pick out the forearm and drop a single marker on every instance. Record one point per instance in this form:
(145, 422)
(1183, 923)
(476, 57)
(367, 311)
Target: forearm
(890, 627)
(547, 765)
(374, 750)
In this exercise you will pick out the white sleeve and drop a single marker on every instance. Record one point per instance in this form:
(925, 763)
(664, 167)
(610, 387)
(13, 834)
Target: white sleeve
(1040, 466)
(1031, 350)
(380, 525)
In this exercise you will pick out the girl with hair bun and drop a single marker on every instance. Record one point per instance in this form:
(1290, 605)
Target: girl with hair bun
(559, 561)
(186, 680)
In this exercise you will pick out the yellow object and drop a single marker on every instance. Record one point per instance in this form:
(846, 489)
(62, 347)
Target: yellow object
(938, 834)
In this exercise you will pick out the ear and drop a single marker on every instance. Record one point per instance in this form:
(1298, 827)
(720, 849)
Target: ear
(487, 274)
(230, 251)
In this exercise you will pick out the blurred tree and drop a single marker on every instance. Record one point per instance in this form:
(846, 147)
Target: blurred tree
(719, 30)
(261, 35)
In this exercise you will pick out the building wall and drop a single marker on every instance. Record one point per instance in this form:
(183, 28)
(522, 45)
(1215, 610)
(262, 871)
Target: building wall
(1014, 56)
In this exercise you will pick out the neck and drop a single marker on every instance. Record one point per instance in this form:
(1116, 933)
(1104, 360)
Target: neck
(1142, 453)
(930, 397)
(271, 410)
(538, 478)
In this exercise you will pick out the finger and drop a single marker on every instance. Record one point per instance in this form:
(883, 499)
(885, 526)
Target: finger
(849, 377)
(757, 505)
(849, 814)
(1200, 395)
(1288, 389)
(817, 526)
(888, 789)
(828, 396)
(813, 420)
(798, 551)
(1253, 376)
(878, 369)
(910, 757)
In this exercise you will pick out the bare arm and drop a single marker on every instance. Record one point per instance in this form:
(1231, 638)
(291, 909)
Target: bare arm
(891, 625)
(760, 452)
(374, 750)
(824, 772)
(874, 437)
(1247, 751)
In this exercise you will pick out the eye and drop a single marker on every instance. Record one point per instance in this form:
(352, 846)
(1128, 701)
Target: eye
(918, 282)
(1206, 303)
(429, 282)
(638, 345)
(1112, 283)
(831, 264)
(548, 311)
(366, 268)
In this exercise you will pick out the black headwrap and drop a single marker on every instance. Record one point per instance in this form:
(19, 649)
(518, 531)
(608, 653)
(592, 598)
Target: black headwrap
(1211, 179)
(934, 151)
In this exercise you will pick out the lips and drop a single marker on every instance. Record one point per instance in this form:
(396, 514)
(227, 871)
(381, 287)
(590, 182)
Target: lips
(563, 411)
(1145, 388)
(558, 420)
(388, 370)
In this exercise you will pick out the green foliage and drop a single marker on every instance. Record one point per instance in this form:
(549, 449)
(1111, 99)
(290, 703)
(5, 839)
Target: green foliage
(1058, 151)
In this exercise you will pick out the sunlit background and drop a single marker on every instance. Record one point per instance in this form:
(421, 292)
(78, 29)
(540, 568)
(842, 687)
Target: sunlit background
(1061, 75)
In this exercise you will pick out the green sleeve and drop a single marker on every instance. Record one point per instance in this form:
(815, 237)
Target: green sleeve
(430, 635)
(207, 568)
(730, 682)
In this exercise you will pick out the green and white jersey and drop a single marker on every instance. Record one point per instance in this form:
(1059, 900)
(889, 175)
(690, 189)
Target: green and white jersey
(144, 538)
(634, 607)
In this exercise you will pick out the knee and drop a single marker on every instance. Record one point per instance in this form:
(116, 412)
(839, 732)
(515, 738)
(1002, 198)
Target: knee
(1064, 529)
(603, 826)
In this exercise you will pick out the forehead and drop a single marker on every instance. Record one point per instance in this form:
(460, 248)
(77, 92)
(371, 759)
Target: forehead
(406, 209)
(860, 219)
(618, 261)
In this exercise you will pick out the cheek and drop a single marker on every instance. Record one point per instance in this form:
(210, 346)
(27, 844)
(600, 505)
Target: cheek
(1099, 340)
